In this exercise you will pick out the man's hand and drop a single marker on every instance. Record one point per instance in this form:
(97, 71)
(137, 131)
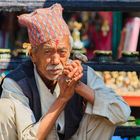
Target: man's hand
(67, 81)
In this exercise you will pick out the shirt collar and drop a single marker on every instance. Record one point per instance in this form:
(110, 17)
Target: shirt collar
(41, 85)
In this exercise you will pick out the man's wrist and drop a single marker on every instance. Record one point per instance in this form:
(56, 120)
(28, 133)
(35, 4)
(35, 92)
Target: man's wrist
(79, 86)
(63, 100)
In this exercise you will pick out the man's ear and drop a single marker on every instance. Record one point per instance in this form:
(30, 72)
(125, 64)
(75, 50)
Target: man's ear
(32, 55)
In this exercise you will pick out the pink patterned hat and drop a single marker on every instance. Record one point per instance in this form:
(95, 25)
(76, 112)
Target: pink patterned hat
(45, 24)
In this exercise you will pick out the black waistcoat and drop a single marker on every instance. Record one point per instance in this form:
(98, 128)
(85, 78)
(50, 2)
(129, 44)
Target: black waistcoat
(24, 77)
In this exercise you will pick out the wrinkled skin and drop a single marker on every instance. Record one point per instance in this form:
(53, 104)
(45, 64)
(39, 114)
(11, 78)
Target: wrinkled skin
(52, 63)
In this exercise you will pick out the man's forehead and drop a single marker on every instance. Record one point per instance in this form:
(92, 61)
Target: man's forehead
(56, 43)
(49, 46)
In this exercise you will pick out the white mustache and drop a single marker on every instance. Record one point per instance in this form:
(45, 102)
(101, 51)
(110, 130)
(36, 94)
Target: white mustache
(54, 67)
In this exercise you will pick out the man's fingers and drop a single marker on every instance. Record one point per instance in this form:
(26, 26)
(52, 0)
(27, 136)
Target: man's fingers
(74, 63)
(78, 77)
(77, 62)
(75, 80)
(66, 72)
(71, 74)
(69, 67)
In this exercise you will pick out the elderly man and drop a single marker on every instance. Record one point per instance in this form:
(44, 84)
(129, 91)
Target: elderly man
(48, 98)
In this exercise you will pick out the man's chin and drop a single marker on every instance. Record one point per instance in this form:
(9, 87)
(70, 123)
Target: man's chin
(54, 78)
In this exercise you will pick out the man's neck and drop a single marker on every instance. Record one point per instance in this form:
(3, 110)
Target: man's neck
(49, 83)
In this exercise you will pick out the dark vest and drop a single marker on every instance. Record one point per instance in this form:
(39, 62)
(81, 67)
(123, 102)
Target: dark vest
(24, 77)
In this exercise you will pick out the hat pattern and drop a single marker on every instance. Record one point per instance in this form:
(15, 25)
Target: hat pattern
(45, 24)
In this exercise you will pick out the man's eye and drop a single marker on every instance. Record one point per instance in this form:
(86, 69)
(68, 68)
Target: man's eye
(47, 52)
(63, 52)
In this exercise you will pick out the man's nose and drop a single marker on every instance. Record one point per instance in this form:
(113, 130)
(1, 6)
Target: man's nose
(55, 59)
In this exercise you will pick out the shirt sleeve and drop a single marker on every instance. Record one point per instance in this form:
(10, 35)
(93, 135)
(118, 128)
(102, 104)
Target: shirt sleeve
(26, 124)
(106, 102)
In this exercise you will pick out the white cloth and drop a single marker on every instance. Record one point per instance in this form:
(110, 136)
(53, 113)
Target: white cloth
(47, 99)
(98, 122)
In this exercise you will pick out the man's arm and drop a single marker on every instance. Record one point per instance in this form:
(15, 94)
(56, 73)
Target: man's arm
(48, 121)
(66, 92)
(102, 100)
(27, 127)
(85, 91)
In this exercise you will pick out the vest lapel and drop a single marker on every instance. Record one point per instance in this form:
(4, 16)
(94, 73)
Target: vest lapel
(35, 99)
(36, 105)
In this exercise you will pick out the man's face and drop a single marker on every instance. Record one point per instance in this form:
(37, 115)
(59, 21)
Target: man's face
(51, 57)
